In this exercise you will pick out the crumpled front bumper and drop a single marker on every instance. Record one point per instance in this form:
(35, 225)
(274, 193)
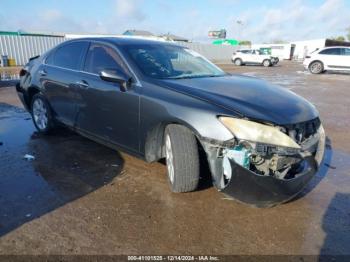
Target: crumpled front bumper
(267, 191)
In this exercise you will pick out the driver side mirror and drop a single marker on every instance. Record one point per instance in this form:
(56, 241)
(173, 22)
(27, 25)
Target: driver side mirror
(116, 77)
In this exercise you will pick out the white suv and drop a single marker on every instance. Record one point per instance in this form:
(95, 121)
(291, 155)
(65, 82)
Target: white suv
(242, 57)
(335, 58)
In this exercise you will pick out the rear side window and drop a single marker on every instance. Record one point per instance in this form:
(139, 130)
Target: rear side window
(346, 51)
(102, 57)
(68, 56)
(49, 58)
(331, 51)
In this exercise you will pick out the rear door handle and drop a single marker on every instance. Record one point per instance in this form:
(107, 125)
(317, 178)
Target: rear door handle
(42, 72)
(82, 84)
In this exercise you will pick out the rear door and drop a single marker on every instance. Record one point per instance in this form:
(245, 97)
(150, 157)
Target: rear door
(345, 58)
(103, 109)
(59, 76)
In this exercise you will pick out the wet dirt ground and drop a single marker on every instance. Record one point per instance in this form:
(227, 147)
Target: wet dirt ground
(79, 197)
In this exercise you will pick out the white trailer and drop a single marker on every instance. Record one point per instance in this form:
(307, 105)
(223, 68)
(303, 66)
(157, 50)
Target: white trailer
(282, 51)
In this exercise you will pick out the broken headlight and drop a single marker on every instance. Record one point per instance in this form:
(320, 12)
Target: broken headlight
(263, 149)
(259, 133)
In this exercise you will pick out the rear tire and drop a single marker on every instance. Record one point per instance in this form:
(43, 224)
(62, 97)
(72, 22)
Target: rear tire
(238, 62)
(182, 158)
(41, 114)
(316, 67)
(266, 63)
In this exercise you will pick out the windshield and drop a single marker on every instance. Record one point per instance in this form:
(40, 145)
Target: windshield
(171, 62)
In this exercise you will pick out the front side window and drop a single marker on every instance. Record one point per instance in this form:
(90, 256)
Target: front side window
(102, 57)
(330, 51)
(170, 62)
(68, 56)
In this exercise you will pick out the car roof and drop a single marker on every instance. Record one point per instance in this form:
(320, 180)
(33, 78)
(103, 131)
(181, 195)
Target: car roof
(329, 47)
(124, 40)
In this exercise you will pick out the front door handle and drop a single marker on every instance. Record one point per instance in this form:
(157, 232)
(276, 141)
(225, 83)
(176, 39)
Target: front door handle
(82, 84)
(42, 72)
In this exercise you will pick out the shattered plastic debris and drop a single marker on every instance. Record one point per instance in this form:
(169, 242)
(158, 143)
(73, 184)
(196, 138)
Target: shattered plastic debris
(29, 157)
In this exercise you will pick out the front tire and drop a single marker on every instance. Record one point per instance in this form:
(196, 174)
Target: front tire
(266, 63)
(182, 158)
(316, 67)
(41, 114)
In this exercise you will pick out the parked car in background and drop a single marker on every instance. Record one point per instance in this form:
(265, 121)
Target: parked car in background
(336, 58)
(157, 100)
(248, 56)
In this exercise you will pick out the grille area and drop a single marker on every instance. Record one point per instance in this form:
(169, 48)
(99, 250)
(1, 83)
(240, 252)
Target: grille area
(302, 131)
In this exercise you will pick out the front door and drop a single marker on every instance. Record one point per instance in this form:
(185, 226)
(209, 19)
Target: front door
(330, 57)
(256, 57)
(104, 110)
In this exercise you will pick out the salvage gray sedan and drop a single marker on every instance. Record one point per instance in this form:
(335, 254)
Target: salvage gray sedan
(158, 100)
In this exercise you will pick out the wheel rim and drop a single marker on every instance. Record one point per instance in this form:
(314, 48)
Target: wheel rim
(238, 62)
(316, 67)
(266, 63)
(40, 114)
(169, 158)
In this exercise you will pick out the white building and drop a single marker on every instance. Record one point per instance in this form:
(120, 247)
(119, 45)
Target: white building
(303, 48)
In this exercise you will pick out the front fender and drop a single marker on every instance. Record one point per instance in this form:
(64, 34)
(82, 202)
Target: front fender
(160, 106)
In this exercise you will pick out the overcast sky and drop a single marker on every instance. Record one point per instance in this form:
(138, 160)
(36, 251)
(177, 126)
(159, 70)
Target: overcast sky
(263, 21)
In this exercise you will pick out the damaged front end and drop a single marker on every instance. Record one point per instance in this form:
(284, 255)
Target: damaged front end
(265, 165)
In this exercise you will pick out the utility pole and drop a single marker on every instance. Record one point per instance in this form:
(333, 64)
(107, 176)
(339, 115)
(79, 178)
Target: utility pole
(240, 25)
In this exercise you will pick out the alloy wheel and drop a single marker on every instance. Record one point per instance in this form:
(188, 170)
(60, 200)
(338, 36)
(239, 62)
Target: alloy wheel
(40, 114)
(316, 68)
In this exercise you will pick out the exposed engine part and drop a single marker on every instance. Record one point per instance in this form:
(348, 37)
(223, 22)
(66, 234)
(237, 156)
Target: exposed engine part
(263, 160)
(273, 164)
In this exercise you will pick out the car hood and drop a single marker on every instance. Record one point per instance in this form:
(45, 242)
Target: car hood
(249, 97)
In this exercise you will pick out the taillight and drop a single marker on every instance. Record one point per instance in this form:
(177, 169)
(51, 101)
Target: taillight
(22, 72)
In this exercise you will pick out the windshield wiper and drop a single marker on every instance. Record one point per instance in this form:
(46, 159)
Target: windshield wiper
(218, 75)
(192, 76)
